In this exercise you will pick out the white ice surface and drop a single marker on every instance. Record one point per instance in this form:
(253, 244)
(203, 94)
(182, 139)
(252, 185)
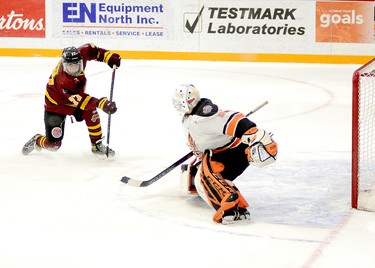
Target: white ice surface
(68, 209)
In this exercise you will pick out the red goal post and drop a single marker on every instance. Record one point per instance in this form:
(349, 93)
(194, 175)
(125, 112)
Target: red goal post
(363, 137)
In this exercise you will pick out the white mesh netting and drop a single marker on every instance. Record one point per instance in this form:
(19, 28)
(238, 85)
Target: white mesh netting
(366, 137)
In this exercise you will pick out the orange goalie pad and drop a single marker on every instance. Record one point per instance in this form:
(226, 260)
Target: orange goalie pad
(221, 195)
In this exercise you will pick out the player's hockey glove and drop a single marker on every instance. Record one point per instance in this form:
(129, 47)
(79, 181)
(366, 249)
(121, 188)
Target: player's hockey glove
(262, 148)
(107, 106)
(112, 59)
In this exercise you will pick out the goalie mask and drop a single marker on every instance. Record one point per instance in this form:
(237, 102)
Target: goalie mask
(185, 98)
(72, 61)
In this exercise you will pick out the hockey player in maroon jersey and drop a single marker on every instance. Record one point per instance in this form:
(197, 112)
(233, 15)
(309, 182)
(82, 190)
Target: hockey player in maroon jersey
(66, 95)
(225, 143)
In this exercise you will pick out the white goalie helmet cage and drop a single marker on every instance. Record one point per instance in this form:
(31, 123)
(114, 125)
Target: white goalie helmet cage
(185, 98)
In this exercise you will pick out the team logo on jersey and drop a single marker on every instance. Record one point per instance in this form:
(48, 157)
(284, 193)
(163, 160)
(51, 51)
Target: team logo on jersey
(95, 116)
(207, 109)
(56, 132)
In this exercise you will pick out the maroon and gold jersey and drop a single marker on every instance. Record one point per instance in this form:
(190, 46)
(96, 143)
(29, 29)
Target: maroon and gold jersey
(65, 93)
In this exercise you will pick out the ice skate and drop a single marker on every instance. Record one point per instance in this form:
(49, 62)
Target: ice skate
(31, 145)
(100, 149)
(234, 215)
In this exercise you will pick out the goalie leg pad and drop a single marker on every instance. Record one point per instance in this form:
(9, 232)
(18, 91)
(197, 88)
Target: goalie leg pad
(216, 191)
(242, 203)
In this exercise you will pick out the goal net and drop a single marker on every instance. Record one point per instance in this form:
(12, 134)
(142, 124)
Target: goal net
(363, 138)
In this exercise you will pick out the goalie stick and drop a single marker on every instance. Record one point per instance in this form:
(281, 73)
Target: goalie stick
(257, 108)
(139, 183)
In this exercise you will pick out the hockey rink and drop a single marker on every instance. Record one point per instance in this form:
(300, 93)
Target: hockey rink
(69, 209)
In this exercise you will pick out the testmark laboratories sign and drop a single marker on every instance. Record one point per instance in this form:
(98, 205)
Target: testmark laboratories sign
(234, 20)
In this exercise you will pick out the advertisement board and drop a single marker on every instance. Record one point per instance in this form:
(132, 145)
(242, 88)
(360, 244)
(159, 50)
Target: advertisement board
(236, 26)
(112, 19)
(345, 22)
(230, 26)
(247, 29)
(23, 19)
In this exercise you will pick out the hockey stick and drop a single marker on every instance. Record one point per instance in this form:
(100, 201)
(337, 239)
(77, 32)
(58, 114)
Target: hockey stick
(109, 115)
(257, 108)
(138, 183)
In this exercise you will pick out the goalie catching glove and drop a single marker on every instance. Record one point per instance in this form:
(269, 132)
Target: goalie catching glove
(262, 148)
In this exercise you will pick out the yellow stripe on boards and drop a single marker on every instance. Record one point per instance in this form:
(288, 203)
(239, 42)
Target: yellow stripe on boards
(203, 56)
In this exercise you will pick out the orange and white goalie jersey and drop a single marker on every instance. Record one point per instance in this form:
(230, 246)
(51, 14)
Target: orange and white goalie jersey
(209, 127)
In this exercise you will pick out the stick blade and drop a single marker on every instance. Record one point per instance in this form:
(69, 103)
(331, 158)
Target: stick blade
(138, 183)
(131, 182)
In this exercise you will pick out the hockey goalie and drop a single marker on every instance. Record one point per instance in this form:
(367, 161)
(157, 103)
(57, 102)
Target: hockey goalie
(224, 143)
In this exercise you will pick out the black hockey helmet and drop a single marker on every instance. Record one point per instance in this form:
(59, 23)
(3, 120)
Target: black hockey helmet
(72, 61)
(71, 55)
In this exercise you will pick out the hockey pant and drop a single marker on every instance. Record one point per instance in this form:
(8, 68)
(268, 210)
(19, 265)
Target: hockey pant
(220, 194)
(55, 126)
